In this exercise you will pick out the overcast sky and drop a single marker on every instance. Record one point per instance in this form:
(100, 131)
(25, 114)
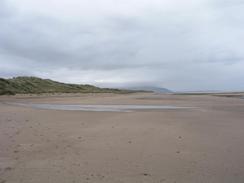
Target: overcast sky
(177, 44)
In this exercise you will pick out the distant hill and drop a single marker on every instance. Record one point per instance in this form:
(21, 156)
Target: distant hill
(151, 88)
(34, 85)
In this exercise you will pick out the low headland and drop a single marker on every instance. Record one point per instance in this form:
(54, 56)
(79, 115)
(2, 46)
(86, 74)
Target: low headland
(35, 85)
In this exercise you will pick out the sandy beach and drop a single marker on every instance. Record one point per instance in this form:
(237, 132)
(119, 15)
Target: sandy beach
(201, 144)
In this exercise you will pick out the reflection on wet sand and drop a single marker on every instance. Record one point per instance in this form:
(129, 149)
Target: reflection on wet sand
(101, 108)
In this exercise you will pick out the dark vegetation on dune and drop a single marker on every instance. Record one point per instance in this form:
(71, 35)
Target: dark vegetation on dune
(34, 85)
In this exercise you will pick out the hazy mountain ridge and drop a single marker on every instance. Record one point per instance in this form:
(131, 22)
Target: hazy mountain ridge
(34, 85)
(151, 89)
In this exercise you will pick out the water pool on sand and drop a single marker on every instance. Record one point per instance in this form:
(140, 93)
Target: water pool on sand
(101, 108)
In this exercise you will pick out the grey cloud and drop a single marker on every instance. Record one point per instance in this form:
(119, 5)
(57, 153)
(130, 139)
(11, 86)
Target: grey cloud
(180, 48)
(4, 9)
(37, 39)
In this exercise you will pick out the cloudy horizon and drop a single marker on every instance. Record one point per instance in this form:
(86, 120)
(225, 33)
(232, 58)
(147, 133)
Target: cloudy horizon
(180, 45)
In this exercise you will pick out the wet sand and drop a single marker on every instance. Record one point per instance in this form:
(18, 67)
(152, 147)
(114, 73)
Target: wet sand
(195, 145)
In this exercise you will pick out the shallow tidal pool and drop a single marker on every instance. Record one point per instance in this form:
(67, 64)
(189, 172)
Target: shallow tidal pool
(99, 108)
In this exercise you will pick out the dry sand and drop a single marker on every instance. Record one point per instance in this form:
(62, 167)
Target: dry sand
(201, 145)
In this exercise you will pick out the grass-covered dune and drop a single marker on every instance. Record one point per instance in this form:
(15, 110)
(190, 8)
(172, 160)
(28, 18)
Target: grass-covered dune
(34, 85)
